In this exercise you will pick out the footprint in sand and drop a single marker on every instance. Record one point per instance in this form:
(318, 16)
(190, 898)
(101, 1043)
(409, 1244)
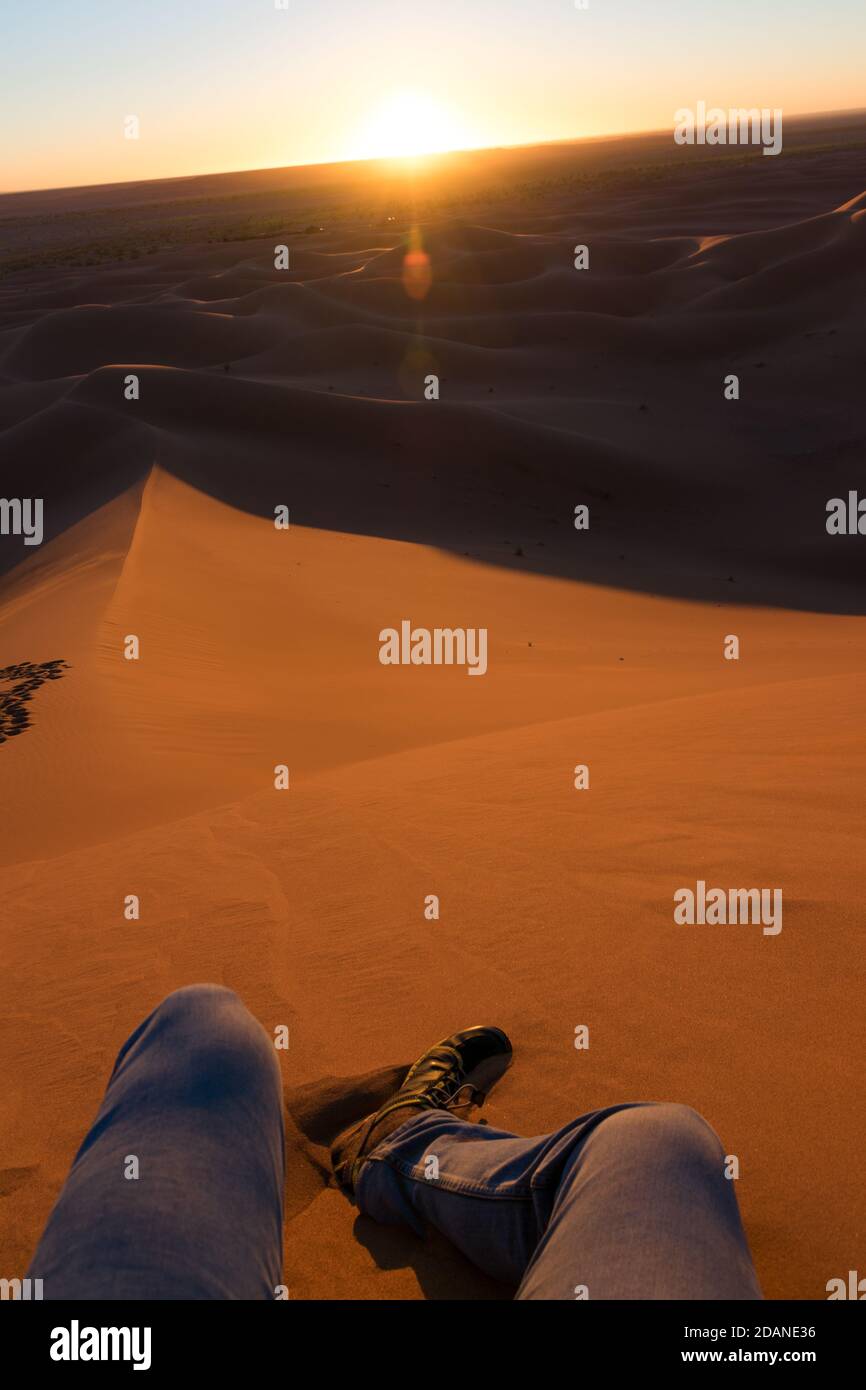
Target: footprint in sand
(17, 686)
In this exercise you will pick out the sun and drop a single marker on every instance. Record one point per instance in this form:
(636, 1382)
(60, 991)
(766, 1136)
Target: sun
(407, 124)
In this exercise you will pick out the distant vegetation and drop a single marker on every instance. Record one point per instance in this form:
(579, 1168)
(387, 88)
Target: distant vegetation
(96, 236)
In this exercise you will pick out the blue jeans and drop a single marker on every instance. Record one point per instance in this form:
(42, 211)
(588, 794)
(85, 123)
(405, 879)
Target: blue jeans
(628, 1202)
(177, 1190)
(196, 1098)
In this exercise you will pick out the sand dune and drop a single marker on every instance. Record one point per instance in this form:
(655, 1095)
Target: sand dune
(259, 646)
(333, 355)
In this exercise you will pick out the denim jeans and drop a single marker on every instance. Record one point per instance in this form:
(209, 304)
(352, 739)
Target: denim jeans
(196, 1097)
(177, 1189)
(628, 1202)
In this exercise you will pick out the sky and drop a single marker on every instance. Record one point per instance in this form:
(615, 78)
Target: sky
(242, 84)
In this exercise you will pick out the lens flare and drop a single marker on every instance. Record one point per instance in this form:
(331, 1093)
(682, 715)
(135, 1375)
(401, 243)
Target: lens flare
(417, 270)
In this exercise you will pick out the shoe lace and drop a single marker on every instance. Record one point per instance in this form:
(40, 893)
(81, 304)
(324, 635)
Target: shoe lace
(476, 1097)
(444, 1095)
(441, 1096)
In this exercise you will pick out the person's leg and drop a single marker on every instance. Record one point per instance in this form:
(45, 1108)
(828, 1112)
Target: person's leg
(627, 1202)
(643, 1210)
(177, 1189)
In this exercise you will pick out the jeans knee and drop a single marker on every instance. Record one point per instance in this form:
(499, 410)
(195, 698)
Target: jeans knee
(688, 1133)
(216, 1047)
(664, 1134)
(196, 1000)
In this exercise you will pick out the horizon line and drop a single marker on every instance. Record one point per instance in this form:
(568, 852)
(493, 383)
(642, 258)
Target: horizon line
(391, 159)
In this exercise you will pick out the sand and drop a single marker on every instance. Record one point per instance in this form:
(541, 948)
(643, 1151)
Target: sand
(260, 647)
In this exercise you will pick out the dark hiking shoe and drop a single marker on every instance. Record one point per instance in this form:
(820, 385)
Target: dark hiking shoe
(455, 1075)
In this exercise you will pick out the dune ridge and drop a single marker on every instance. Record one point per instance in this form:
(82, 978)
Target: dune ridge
(606, 380)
